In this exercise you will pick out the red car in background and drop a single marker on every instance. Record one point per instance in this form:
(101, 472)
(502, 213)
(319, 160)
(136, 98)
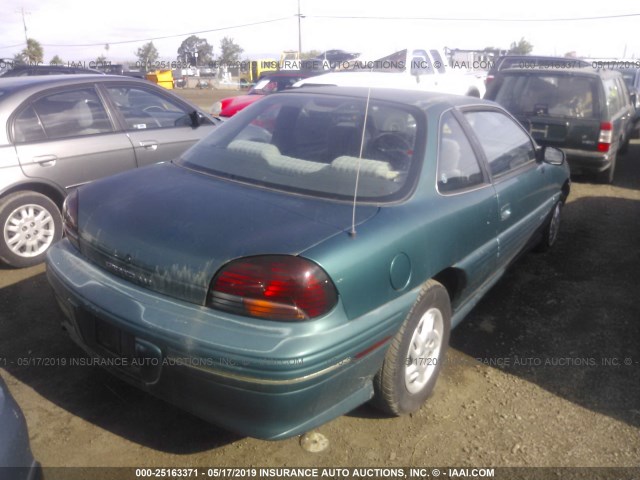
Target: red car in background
(269, 83)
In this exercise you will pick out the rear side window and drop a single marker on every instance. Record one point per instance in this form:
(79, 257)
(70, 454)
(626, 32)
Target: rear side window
(506, 146)
(60, 115)
(28, 128)
(564, 96)
(458, 167)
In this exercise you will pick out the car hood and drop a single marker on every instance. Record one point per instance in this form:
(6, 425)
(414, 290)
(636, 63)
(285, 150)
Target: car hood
(231, 106)
(169, 229)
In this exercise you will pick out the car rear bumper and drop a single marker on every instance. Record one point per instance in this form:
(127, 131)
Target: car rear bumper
(583, 161)
(272, 387)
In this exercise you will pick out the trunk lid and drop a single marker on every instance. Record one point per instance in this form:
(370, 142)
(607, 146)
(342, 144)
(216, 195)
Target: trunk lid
(169, 229)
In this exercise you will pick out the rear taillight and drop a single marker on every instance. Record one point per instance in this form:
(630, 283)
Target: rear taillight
(274, 287)
(605, 137)
(70, 218)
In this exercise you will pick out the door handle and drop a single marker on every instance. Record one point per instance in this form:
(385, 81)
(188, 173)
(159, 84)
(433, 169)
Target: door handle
(149, 145)
(45, 160)
(505, 212)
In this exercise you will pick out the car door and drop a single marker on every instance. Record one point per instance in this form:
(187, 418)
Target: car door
(524, 195)
(67, 137)
(160, 127)
(464, 187)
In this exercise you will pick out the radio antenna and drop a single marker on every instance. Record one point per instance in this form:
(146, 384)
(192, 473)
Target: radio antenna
(352, 233)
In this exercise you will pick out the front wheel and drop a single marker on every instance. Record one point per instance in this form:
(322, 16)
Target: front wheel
(416, 354)
(30, 223)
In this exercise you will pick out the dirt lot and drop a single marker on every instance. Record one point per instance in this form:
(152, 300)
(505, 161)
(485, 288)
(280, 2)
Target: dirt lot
(544, 372)
(206, 97)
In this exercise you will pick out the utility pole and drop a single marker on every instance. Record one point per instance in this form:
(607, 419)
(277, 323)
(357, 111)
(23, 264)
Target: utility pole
(299, 32)
(24, 22)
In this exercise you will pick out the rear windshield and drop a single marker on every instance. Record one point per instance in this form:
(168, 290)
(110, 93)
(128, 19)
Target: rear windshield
(315, 145)
(567, 96)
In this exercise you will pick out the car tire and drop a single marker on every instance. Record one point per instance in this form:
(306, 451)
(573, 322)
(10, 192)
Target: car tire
(30, 223)
(414, 359)
(551, 228)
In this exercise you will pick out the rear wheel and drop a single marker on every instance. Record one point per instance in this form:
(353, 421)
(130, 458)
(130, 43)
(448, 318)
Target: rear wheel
(551, 229)
(30, 224)
(414, 358)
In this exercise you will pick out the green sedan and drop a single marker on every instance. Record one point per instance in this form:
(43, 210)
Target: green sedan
(310, 255)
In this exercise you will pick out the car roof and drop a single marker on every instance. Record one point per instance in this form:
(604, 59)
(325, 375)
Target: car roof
(28, 85)
(418, 98)
(635, 70)
(48, 80)
(541, 58)
(583, 71)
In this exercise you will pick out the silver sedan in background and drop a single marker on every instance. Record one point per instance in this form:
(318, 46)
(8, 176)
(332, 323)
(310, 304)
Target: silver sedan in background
(61, 131)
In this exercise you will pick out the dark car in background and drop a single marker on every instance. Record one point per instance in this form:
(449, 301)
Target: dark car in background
(58, 132)
(532, 62)
(16, 459)
(588, 113)
(270, 284)
(33, 70)
(267, 84)
(632, 78)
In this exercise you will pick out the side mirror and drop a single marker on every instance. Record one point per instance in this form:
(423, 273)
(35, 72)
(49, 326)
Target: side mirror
(551, 155)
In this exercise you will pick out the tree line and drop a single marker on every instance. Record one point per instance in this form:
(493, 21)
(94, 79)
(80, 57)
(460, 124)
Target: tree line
(193, 50)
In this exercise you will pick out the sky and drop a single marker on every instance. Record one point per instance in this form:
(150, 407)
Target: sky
(78, 30)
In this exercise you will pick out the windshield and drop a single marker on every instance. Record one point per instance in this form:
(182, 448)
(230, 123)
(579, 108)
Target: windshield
(311, 144)
(567, 96)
